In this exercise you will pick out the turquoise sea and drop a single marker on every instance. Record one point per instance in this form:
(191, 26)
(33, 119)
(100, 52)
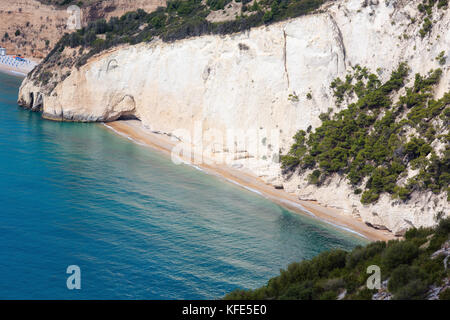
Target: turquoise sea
(137, 225)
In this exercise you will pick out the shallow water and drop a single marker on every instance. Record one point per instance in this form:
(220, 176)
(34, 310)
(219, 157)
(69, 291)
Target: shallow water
(138, 226)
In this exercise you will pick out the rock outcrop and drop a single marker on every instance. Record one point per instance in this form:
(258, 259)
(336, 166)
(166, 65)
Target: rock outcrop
(267, 82)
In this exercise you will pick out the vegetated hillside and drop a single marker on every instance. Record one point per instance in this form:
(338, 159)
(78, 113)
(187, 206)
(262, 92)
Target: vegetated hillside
(186, 18)
(32, 28)
(413, 268)
(179, 20)
(376, 142)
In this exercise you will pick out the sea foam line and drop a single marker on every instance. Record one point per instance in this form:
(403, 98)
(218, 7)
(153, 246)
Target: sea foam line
(245, 187)
(123, 135)
(13, 73)
(344, 228)
(192, 165)
(19, 73)
(298, 205)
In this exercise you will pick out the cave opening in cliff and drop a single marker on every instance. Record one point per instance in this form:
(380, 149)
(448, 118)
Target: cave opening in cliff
(128, 116)
(31, 99)
(36, 101)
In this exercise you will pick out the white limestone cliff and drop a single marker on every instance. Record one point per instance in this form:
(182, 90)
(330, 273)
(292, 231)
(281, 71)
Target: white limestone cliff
(247, 81)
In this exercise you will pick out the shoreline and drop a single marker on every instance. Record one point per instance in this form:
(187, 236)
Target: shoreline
(11, 72)
(133, 131)
(18, 72)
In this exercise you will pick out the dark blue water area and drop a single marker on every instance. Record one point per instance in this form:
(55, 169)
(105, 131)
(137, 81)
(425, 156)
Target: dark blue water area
(137, 225)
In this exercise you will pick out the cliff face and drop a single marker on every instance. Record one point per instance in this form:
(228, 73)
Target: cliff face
(273, 80)
(41, 25)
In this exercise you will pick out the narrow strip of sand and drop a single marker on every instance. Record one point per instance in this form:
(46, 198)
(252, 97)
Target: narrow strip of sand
(133, 130)
(12, 71)
(19, 70)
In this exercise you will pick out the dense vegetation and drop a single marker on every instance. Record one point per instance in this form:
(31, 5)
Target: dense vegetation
(180, 19)
(375, 141)
(407, 264)
(426, 8)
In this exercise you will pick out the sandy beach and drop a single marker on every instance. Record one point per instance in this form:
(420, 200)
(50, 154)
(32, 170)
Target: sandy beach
(134, 131)
(12, 71)
(20, 71)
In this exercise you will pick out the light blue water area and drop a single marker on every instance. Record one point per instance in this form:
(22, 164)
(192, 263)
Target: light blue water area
(138, 226)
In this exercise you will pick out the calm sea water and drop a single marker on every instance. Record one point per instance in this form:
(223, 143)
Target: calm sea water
(138, 226)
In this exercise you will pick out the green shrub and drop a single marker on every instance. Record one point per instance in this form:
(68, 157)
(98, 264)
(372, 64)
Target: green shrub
(443, 227)
(362, 254)
(328, 295)
(426, 27)
(418, 233)
(313, 178)
(364, 294)
(445, 295)
(441, 58)
(217, 4)
(402, 275)
(398, 253)
(369, 196)
(299, 291)
(413, 290)
(268, 16)
(158, 21)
